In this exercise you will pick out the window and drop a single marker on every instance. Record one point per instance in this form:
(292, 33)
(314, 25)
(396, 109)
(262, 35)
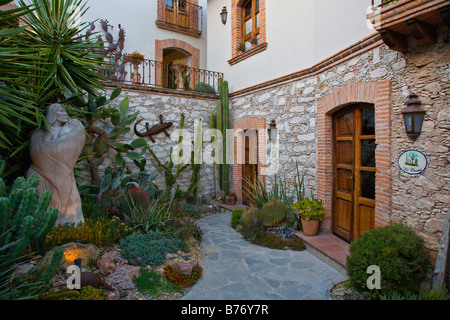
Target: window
(250, 24)
(248, 29)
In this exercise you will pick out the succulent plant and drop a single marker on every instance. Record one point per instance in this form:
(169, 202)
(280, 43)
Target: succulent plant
(249, 214)
(273, 213)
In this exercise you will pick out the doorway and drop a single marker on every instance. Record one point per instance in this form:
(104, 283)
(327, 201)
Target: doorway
(354, 170)
(250, 165)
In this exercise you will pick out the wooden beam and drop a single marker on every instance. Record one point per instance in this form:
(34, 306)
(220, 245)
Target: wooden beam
(442, 258)
(394, 40)
(423, 32)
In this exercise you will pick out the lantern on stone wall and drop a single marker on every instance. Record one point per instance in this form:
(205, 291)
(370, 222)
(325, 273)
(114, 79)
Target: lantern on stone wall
(272, 131)
(413, 116)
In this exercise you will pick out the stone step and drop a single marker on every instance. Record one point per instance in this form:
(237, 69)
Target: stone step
(328, 248)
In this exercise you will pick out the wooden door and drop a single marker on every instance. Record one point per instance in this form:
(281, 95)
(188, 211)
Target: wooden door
(354, 171)
(177, 13)
(249, 174)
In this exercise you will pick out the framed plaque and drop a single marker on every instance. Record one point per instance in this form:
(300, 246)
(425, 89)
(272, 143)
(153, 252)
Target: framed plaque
(412, 161)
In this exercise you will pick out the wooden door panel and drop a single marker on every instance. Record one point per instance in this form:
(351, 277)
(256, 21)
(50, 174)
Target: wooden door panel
(354, 171)
(366, 219)
(343, 221)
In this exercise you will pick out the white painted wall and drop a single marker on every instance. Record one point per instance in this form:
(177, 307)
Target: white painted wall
(138, 18)
(300, 33)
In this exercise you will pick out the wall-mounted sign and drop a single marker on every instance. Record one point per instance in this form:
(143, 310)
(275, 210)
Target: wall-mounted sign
(412, 161)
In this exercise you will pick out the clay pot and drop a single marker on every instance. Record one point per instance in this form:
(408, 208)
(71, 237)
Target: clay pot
(230, 200)
(310, 227)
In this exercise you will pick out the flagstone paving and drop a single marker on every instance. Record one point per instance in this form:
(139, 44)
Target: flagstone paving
(235, 269)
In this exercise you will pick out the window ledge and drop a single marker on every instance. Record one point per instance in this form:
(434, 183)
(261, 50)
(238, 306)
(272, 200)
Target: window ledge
(245, 55)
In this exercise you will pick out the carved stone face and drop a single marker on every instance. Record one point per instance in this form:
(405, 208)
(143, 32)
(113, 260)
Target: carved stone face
(62, 116)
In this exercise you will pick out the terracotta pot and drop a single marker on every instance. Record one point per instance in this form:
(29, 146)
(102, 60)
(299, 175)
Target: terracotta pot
(230, 200)
(310, 227)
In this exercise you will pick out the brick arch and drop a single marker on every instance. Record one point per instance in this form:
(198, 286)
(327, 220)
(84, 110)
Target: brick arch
(160, 45)
(377, 93)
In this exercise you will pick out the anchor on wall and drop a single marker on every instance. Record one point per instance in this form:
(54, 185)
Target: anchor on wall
(157, 128)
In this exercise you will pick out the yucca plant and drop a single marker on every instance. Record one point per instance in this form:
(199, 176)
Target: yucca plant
(70, 60)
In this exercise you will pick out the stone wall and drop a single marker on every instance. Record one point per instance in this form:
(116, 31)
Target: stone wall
(419, 201)
(150, 106)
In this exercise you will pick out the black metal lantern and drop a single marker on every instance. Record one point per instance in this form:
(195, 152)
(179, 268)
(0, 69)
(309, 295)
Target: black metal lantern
(223, 15)
(272, 126)
(413, 116)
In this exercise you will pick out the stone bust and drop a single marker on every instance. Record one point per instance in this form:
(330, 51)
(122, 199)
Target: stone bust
(54, 155)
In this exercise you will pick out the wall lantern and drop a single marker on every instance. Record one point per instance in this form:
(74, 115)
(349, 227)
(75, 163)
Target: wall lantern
(223, 15)
(272, 134)
(413, 116)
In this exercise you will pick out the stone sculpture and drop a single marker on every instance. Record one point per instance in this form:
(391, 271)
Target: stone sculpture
(54, 155)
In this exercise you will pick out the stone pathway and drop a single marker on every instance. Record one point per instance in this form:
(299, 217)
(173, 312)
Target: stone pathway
(235, 269)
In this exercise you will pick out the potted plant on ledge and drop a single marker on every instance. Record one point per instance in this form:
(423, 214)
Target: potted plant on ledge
(230, 199)
(135, 59)
(180, 67)
(311, 212)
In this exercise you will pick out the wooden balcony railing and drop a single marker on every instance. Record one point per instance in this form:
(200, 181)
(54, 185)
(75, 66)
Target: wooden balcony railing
(180, 16)
(395, 20)
(150, 73)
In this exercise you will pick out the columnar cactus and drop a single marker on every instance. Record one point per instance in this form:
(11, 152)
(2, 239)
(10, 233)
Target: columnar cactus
(24, 217)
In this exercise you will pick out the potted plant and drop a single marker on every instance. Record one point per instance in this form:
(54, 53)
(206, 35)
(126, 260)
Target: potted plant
(135, 59)
(311, 212)
(179, 66)
(230, 199)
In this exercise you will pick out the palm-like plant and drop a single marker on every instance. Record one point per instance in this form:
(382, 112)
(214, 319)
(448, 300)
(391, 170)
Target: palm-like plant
(44, 60)
(69, 59)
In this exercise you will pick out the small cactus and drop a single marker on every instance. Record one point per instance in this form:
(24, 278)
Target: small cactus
(249, 214)
(273, 213)
(136, 198)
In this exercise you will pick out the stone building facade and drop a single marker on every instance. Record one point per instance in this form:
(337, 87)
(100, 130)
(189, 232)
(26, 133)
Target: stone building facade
(301, 105)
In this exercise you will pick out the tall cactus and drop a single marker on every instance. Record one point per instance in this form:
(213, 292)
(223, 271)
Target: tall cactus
(225, 126)
(24, 217)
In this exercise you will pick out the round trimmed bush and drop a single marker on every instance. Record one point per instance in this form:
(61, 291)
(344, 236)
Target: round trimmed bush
(399, 253)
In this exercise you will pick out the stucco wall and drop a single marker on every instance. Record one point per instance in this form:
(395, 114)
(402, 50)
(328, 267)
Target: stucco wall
(138, 18)
(299, 34)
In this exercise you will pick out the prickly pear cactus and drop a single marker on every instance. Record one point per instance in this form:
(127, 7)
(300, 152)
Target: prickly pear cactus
(273, 213)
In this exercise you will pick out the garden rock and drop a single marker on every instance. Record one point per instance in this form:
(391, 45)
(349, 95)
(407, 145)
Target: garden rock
(113, 295)
(122, 278)
(186, 267)
(106, 265)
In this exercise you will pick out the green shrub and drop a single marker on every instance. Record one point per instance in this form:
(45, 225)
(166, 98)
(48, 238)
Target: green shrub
(103, 233)
(152, 247)
(91, 293)
(253, 229)
(153, 283)
(249, 214)
(235, 217)
(397, 251)
(191, 210)
(189, 228)
(439, 293)
(271, 240)
(204, 87)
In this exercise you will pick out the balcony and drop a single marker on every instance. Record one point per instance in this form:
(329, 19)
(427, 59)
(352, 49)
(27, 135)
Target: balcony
(180, 16)
(166, 78)
(395, 20)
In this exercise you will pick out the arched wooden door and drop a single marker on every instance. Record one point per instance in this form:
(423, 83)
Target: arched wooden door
(354, 171)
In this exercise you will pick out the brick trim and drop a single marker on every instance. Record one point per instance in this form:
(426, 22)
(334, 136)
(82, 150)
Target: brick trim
(260, 126)
(160, 45)
(379, 94)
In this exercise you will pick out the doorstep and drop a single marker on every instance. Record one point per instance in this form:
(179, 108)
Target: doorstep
(329, 248)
